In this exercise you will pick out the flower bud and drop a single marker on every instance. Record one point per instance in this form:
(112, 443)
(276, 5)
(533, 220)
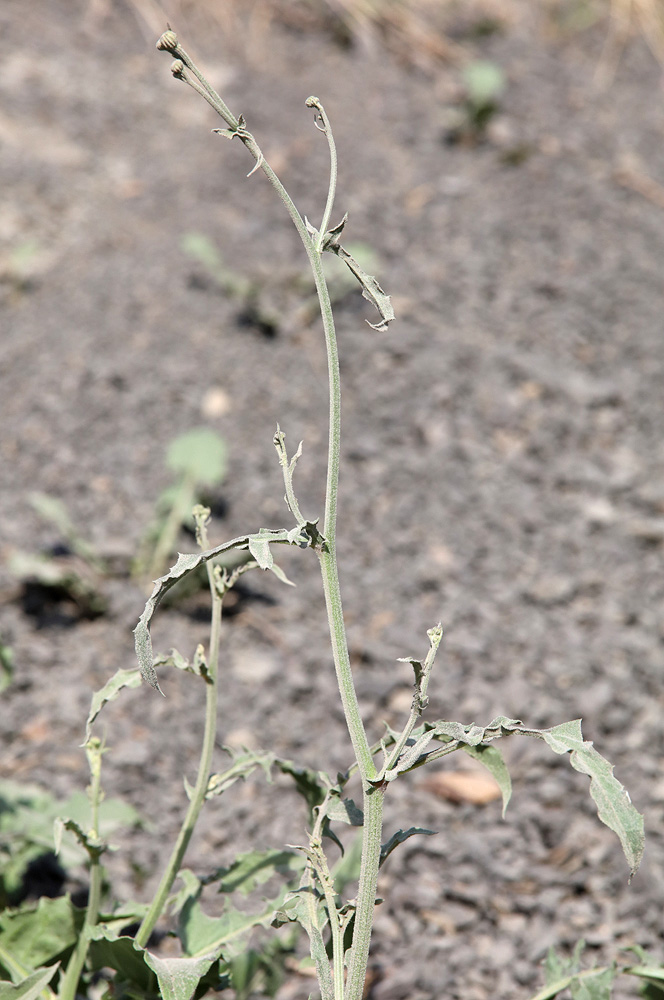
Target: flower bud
(168, 41)
(177, 68)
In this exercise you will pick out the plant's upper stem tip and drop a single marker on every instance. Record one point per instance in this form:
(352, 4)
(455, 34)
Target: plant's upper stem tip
(168, 41)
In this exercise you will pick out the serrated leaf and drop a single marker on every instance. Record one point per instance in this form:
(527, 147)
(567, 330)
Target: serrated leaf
(200, 934)
(30, 987)
(244, 763)
(595, 984)
(184, 565)
(111, 689)
(92, 844)
(199, 454)
(179, 977)
(371, 290)
(492, 759)
(614, 806)
(400, 837)
(250, 870)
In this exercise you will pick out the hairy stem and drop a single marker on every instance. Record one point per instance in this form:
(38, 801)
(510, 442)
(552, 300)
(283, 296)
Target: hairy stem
(373, 798)
(76, 963)
(204, 768)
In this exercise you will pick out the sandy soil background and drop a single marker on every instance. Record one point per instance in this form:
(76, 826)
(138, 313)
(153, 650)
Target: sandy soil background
(504, 464)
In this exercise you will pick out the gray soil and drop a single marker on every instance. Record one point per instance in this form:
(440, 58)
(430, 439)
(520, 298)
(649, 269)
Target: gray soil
(503, 449)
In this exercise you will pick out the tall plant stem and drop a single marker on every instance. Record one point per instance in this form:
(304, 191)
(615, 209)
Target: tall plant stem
(327, 554)
(76, 962)
(204, 768)
(372, 797)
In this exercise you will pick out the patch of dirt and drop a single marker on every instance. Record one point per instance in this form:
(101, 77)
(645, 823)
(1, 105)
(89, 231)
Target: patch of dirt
(504, 465)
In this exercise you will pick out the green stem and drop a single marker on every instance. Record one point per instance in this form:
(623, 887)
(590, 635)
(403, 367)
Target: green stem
(180, 506)
(76, 962)
(373, 798)
(366, 891)
(204, 768)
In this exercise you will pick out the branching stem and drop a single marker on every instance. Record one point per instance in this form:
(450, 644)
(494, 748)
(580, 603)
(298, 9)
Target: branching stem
(372, 797)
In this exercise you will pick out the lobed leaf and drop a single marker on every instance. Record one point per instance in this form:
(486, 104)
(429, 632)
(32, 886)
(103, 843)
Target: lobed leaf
(614, 807)
(244, 763)
(110, 949)
(593, 985)
(201, 934)
(253, 869)
(371, 290)
(185, 564)
(344, 811)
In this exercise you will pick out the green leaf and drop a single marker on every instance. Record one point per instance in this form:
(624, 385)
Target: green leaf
(111, 689)
(311, 785)
(304, 908)
(593, 985)
(184, 565)
(6, 666)
(260, 550)
(484, 81)
(179, 977)
(92, 844)
(400, 837)
(344, 811)
(614, 806)
(244, 763)
(250, 870)
(371, 290)
(111, 950)
(493, 761)
(198, 666)
(30, 987)
(653, 975)
(347, 868)
(37, 933)
(201, 935)
(199, 454)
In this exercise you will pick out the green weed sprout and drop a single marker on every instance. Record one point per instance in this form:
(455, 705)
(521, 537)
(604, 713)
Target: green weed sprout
(197, 460)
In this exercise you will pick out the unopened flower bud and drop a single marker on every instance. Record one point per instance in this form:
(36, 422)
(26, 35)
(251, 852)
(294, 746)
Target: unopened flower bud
(177, 68)
(168, 41)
